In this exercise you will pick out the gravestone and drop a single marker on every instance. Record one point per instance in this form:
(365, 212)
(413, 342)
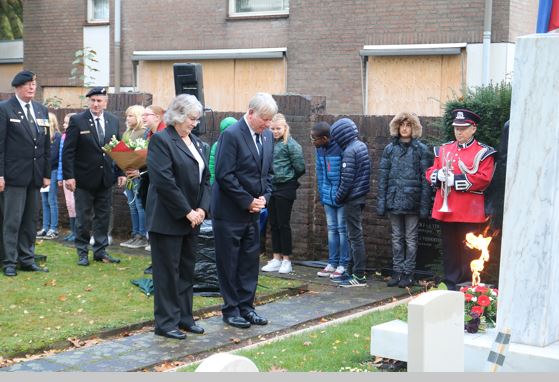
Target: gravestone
(436, 332)
(225, 362)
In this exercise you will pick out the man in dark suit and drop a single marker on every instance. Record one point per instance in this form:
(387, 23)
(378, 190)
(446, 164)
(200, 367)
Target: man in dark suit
(24, 168)
(243, 184)
(89, 172)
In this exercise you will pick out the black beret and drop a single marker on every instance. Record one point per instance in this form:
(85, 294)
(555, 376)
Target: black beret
(465, 117)
(99, 90)
(23, 77)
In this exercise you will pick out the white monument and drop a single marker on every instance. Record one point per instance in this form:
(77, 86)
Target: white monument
(225, 362)
(529, 270)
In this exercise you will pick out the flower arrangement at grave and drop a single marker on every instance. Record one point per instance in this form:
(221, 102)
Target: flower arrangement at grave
(127, 153)
(480, 301)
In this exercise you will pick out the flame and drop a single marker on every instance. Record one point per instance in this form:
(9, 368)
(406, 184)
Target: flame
(482, 243)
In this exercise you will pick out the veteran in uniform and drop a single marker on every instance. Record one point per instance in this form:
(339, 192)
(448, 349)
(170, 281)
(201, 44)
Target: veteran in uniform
(90, 173)
(24, 168)
(461, 172)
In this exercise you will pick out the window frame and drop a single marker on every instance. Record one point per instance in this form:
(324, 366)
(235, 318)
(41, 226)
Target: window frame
(233, 14)
(91, 13)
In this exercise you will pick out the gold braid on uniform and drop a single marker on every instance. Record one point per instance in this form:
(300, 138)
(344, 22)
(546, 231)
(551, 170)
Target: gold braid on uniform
(475, 166)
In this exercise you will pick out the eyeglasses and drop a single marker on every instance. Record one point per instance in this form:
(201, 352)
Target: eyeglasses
(147, 114)
(314, 139)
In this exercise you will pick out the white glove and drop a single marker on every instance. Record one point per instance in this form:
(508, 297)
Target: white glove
(440, 175)
(450, 179)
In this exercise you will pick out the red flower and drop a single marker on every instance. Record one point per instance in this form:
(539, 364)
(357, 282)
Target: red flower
(477, 310)
(468, 297)
(481, 289)
(463, 289)
(483, 300)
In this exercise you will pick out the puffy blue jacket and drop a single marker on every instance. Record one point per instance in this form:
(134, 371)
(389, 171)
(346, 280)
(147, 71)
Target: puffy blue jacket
(328, 165)
(356, 165)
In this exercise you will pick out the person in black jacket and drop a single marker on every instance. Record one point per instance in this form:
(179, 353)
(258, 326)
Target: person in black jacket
(24, 168)
(355, 176)
(403, 193)
(178, 202)
(90, 173)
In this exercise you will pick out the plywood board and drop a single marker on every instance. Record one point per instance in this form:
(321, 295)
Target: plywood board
(418, 84)
(252, 76)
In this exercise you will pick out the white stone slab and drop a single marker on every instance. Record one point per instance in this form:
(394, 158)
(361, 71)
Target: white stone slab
(390, 341)
(225, 362)
(436, 332)
(529, 270)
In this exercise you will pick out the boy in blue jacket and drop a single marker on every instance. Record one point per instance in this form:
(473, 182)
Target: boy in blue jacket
(351, 193)
(328, 166)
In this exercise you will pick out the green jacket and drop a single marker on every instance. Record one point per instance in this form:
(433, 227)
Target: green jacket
(289, 163)
(225, 123)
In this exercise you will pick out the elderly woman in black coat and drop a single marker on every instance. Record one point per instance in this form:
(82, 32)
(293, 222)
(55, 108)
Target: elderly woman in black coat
(403, 193)
(177, 203)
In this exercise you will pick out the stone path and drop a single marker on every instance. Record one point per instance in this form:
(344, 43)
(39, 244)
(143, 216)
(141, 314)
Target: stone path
(145, 350)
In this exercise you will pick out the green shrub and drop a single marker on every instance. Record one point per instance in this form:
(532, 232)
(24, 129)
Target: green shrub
(491, 103)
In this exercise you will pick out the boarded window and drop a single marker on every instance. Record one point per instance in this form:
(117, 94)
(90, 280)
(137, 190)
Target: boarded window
(419, 84)
(228, 84)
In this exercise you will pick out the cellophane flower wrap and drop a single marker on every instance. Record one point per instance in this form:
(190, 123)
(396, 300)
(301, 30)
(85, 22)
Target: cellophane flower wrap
(480, 307)
(127, 154)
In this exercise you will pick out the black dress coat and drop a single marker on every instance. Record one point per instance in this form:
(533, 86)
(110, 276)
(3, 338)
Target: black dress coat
(82, 156)
(23, 161)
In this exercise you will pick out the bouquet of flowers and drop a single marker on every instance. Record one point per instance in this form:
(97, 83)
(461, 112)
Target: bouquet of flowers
(480, 307)
(127, 154)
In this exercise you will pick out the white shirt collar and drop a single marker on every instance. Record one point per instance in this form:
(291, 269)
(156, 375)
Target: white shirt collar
(23, 103)
(101, 118)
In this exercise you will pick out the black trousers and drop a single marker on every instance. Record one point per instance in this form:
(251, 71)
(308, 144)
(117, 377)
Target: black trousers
(456, 255)
(237, 247)
(18, 210)
(173, 261)
(93, 209)
(280, 218)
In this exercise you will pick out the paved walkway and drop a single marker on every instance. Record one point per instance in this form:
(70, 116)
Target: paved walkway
(145, 350)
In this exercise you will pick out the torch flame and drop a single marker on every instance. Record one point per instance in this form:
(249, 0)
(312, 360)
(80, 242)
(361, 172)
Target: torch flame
(482, 243)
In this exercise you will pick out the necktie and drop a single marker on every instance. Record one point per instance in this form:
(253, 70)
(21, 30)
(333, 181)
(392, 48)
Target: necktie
(100, 133)
(31, 121)
(258, 145)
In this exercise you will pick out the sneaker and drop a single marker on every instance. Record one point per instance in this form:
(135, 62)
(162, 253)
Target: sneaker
(338, 272)
(272, 266)
(51, 234)
(139, 242)
(406, 280)
(394, 279)
(148, 248)
(354, 281)
(326, 272)
(91, 241)
(285, 267)
(128, 242)
(41, 234)
(341, 278)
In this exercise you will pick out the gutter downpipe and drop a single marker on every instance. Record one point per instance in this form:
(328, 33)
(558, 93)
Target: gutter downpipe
(486, 42)
(117, 46)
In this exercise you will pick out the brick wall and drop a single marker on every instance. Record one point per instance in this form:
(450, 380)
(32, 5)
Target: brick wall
(323, 36)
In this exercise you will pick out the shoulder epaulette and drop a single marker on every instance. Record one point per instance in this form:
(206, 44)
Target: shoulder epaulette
(488, 150)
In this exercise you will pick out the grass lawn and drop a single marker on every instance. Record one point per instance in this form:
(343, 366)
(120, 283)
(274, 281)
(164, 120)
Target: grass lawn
(38, 309)
(339, 347)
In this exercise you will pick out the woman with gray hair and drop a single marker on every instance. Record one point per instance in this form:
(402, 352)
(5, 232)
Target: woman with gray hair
(178, 201)
(403, 193)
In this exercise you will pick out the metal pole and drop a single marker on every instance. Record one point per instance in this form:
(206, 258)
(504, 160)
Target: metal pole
(487, 42)
(117, 46)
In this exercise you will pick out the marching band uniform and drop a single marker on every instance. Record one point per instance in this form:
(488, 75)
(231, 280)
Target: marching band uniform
(472, 166)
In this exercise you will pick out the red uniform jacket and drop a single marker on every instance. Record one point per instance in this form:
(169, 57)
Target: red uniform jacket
(466, 199)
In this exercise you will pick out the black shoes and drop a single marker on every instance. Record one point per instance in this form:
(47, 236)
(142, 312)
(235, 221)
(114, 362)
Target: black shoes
(106, 258)
(10, 271)
(33, 268)
(255, 319)
(237, 322)
(83, 261)
(192, 328)
(174, 334)
(406, 280)
(394, 279)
